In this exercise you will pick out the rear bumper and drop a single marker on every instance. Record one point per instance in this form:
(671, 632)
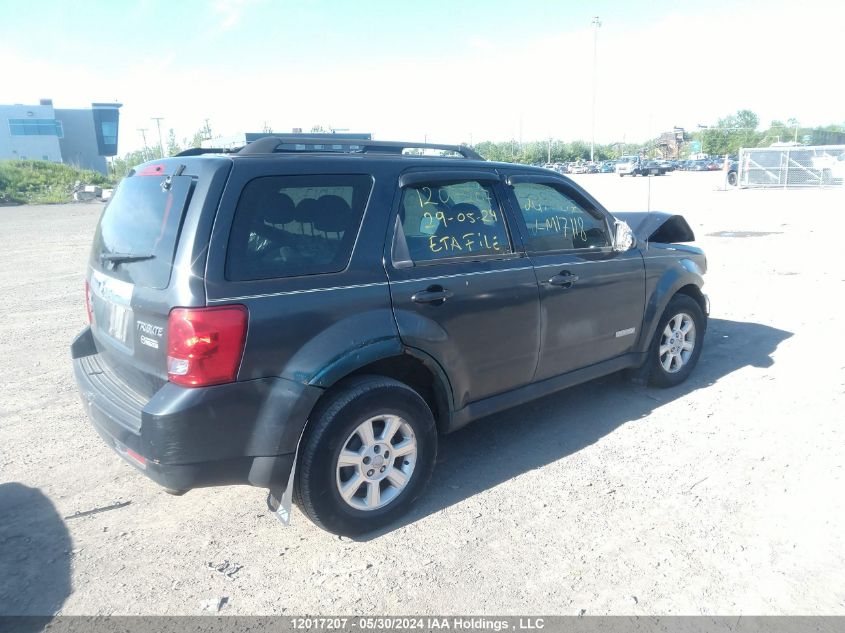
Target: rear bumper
(182, 438)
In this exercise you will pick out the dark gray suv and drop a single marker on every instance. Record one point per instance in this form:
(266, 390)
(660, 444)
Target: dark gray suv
(322, 314)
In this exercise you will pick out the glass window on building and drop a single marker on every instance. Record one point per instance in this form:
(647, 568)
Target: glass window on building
(109, 129)
(36, 127)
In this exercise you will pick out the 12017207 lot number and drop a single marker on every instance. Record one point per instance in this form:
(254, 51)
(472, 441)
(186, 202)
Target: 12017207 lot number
(410, 623)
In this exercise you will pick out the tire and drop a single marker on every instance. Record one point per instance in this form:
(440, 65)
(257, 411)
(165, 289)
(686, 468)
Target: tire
(670, 368)
(377, 403)
(732, 178)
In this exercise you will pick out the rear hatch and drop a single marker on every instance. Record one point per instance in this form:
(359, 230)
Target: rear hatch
(130, 267)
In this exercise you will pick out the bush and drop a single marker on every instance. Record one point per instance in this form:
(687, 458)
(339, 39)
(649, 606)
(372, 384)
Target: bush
(38, 181)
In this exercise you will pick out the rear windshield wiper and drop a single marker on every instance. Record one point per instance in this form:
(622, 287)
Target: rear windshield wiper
(115, 259)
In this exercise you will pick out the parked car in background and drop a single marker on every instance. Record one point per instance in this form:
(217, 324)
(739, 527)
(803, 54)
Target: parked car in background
(626, 165)
(636, 166)
(652, 168)
(733, 170)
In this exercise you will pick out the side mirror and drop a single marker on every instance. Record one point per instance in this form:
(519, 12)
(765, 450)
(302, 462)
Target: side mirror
(624, 238)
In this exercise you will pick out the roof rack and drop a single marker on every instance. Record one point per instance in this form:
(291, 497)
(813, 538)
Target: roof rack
(199, 151)
(270, 145)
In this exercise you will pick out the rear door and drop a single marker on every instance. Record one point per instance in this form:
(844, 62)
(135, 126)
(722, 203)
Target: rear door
(462, 290)
(131, 261)
(298, 241)
(591, 297)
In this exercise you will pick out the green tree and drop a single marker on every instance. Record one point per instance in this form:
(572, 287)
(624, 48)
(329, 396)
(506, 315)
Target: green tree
(731, 133)
(196, 140)
(173, 147)
(121, 166)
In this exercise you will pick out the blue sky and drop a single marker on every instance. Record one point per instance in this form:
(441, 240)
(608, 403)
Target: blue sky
(449, 71)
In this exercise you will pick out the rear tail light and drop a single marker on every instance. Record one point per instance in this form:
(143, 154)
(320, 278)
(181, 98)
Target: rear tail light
(89, 307)
(205, 345)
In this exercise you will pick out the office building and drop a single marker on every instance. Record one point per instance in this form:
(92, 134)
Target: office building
(80, 137)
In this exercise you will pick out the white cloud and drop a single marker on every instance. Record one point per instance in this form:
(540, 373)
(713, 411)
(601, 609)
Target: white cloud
(230, 12)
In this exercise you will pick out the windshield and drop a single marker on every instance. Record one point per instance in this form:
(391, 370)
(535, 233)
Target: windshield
(137, 234)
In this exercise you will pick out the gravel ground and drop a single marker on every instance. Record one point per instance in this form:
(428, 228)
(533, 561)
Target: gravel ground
(723, 495)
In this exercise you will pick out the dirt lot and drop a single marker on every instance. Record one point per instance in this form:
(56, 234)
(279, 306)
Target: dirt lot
(724, 495)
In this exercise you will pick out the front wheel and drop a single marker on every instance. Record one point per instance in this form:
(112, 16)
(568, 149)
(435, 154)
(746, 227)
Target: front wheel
(368, 456)
(677, 342)
(732, 178)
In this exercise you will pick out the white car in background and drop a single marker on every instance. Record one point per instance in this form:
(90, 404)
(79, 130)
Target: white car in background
(627, 165)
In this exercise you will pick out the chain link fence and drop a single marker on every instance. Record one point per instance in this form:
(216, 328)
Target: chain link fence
(792, 166)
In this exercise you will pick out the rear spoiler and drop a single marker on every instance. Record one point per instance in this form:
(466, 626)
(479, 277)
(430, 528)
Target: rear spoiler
(657, 226)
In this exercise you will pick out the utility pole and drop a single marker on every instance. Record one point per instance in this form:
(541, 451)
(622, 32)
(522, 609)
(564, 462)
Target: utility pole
(158, 120)
(550, 150)
(143, 132)
(596, 24)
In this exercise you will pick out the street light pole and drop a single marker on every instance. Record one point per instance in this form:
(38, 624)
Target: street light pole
(596, 24)
(158, 121)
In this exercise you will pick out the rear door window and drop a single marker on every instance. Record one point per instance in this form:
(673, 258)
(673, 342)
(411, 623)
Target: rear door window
(287, 226)
(445, 221)
(136, 238)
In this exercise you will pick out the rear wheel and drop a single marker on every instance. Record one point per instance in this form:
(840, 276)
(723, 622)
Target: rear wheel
(677, 342)
(368, 456)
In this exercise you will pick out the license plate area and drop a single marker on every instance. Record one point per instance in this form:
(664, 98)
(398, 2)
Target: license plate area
(113, 315)
(119, 318)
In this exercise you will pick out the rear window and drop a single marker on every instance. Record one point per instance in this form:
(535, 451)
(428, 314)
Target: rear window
(137, 234)
(287, 226)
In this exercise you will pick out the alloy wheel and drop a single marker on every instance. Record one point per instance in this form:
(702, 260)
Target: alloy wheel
(376, 462)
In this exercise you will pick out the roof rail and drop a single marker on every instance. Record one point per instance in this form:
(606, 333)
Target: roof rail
(199, 151)
(270, 145)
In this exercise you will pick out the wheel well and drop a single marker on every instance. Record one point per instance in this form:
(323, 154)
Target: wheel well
(693, 291)
(418, 376)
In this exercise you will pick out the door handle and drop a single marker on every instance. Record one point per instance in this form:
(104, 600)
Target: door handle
(564, 280)
(436, 295)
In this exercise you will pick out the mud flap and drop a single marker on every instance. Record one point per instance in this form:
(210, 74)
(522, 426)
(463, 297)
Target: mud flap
(639, 375)
(282, 507)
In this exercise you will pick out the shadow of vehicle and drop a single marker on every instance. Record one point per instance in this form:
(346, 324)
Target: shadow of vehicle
(549, 429)
(35, 550)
